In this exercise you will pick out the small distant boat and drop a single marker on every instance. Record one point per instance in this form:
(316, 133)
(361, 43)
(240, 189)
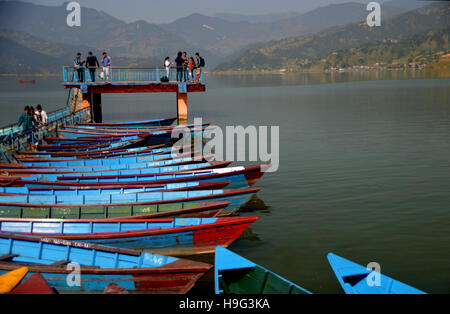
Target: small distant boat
(27, 82)
(353, 279)
(135, 271)
(234, 274)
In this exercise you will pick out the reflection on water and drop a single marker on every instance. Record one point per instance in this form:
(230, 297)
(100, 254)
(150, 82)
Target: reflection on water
(255, 204)
(249, 235)
(253, 80)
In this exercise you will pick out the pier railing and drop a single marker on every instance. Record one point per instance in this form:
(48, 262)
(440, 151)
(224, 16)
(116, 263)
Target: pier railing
(14, 138)
(130, 74)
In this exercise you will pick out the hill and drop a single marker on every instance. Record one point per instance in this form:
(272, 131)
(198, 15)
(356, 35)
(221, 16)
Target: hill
(98, 29)
(23, 53)
(297, 51)
(420, 49)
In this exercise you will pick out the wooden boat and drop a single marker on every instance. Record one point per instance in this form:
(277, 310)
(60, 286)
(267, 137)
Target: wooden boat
(82, 190)
(55, 175)
(30, 160)
(137, 272)
(157, 122)
(34, 284)
(70, 133)
(55, 162)
(239, 177)
(353, 279)
(130, 142)
(137, 141)
(156, 149)
(141, 203)
(174, 237)
(234, 274)
(59, 170)
(176, 210)
(136, 129)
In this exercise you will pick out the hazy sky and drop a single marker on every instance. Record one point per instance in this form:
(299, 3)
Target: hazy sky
(164, 11)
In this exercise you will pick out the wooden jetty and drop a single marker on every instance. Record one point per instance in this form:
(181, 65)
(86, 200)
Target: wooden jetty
(130, 80)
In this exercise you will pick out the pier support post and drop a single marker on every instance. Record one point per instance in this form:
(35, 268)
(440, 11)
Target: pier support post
(97, 108)
(182, 108)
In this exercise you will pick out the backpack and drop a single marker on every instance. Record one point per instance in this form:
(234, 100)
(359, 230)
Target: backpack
(202, 62)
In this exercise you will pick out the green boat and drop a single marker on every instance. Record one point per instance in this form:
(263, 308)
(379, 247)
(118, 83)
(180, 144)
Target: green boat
(234, 274)
(182, 209)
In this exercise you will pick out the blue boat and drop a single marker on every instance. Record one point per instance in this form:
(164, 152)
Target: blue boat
(105, 161)
(239, 177)
(357, 279)
(71, 132)
(58, 175)
(131, 152)
(174, 237)
(156, 122)
(132, 270)
(234, 274)
(124, 143)
(82, 190)
(130, 166)
(19, 202)
(152, 138)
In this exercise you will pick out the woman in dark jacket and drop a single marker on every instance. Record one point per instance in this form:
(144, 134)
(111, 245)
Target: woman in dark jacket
(179, 61)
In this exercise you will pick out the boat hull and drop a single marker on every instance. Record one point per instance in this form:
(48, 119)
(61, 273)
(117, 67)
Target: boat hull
(176, 238)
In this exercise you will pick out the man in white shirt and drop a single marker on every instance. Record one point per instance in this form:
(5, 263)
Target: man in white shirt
(41, 115)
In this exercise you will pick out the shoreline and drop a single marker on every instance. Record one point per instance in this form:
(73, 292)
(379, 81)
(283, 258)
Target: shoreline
(29, 74)
(440, 71)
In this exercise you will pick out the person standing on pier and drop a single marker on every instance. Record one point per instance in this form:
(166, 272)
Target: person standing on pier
(200, 66)
(42, 117)
(167, 65)
(106, 63)
(179, 61)
(78, 64)
(92, 64)
(185, 67)
(192, 68)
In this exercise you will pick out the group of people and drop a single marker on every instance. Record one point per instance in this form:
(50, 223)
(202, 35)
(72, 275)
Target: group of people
(92, 64)
(31, 119)
(188, 69)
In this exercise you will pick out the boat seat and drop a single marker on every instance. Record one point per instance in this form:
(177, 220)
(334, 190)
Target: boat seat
(61, 263)
(7, 257)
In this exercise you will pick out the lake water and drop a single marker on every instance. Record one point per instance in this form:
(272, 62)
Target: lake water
(364, 166)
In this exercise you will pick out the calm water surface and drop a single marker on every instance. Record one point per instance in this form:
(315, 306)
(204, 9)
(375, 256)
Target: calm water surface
(364, 166)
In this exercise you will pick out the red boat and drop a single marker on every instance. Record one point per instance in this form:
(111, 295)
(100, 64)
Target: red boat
(27, 82)
(172, 237)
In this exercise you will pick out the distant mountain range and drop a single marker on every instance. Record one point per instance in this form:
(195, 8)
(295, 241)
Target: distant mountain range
(294, 52)
(27, 29)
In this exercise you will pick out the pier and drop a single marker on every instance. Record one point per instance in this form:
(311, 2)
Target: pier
(129, 80)
(84, 101)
